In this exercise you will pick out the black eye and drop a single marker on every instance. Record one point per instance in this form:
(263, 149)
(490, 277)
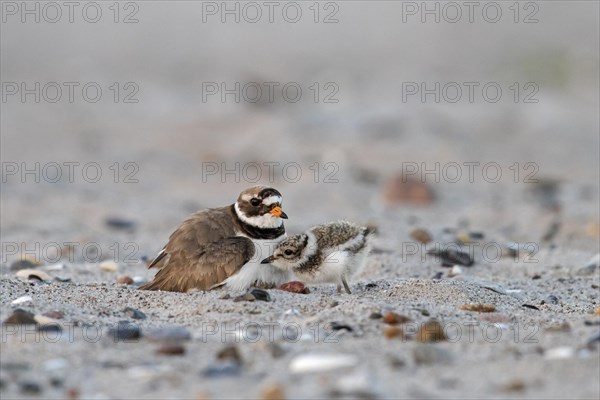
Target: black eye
(255, 202)
(288, 252)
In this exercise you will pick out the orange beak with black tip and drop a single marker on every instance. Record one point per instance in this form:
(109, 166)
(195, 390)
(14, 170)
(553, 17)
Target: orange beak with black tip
(278, 212)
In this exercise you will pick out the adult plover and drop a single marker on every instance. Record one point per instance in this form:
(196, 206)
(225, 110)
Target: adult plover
(327, 253)
(223, 246)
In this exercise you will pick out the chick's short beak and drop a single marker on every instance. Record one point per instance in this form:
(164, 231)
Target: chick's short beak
(278, 212)
(267, 260)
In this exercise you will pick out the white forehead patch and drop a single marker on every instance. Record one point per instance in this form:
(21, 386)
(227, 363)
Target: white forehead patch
(272, 200)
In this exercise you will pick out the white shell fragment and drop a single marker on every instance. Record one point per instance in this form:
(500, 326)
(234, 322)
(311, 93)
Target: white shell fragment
(109, 266)
(321, 362)
(21, 300)
(43, 320)
(560, 353)
(27, 274)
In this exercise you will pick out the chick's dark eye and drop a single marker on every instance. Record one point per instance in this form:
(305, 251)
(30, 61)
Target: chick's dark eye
(288, 252)
(255, 202)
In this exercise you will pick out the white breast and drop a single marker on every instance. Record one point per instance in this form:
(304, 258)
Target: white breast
(253, 271)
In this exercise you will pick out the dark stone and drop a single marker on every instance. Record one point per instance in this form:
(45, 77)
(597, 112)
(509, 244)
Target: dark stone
(29, 387)
(261, 295)
(124, 331)
(231, 354)
(171, 350)
(450, 257)
(133, 313)
(222, 370)
(335, 326)
(530, 306)
(118, 223)
(168, 334)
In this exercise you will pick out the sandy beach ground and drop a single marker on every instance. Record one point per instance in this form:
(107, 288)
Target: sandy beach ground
(92, 188)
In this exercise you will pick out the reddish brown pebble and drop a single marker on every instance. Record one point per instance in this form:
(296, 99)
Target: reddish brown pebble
(125, 280)
(73, 393)
(272, 392)
(55, 314)
(430, 331)
(392, 318)
(597, 311)
(478, 307)
(515, 386)
(171, 350)
(404, 189)
(294, 287)
(392, 332)
(421, 236)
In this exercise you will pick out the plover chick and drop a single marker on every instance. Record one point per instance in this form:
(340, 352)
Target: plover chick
(223, 246)
(329, 253)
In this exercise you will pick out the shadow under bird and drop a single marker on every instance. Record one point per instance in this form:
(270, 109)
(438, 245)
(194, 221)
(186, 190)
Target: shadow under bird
(329, 253)
(223, 246)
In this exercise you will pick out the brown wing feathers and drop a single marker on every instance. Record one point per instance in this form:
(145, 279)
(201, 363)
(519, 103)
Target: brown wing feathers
(201, 253)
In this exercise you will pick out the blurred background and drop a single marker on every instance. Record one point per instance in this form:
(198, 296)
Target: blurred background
(164, 101)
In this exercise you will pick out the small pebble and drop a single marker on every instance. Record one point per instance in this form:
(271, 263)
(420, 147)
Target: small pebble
(392, 332)
(450, 257)
(516, 385)
(125, 330)
(225, 296)
(272, 392)
(294, 287)
(221, 370)
(55, 314)
(125, 280)
(421, 236)
(168, 334)
(393, 318)
(20, 317)
(559, 327)
(536, 276)
(438, 276)
(552, 299)
(531, 307)
(108, 266)
(46, 324)
(334, 326)
(403, 189)
(133, 313)
(171, 350)
(230, 353)
(260, 294)
(375, 315)
(33, 274)
(427, 354)
(430, 331)
(597, 311)
(21, 300)
(455, 271)
(308, 363)
(591, 266)
(245, 297)
(485, 308)
(559, 353)
(119, 223)
(29, 387)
